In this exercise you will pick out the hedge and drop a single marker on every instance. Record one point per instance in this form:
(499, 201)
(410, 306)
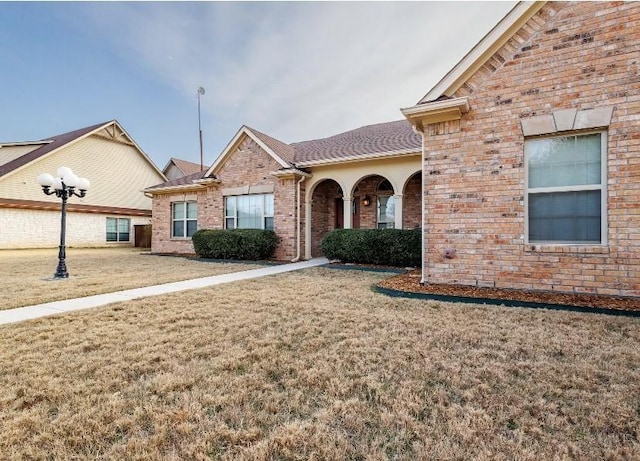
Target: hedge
(389, 247)
(245, 244)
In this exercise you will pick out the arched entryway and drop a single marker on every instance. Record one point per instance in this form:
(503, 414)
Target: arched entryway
(327, 212)
(412, 202)
(374, 203)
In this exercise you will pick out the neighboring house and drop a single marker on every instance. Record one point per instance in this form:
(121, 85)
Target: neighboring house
(368, 177)
(114, 207)
(177, 168)
(522, 165)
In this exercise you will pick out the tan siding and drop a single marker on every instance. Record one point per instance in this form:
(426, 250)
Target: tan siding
(10, 153)
(118, 173)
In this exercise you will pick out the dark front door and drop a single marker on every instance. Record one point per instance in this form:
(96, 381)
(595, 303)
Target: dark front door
(356, 212)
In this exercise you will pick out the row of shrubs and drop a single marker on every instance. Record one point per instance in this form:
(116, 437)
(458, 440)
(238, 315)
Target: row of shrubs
(245, 244)
(389, 247)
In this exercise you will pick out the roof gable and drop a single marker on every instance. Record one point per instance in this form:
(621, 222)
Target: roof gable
(111, 130)
(483, 51)
(261, 139)
(185, 166)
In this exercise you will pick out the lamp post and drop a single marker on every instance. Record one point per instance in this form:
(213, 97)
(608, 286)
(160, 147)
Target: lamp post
(200, 93)
(64, 186)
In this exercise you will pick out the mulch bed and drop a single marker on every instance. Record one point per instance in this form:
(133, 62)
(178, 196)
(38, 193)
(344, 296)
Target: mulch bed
(410, 282)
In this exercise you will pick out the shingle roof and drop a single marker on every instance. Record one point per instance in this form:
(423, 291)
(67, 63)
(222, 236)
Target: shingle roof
(187, 167)
(181, 181)
(53, 143)
(282, 150)
(371, 139)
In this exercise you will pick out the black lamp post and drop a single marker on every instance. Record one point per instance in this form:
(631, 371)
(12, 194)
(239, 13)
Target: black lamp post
(64, 186)
(200, 93)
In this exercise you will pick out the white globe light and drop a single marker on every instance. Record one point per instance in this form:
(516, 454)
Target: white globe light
(45, 179)
(64, 171)
(57, 183)
(71, 180)
(83, 183)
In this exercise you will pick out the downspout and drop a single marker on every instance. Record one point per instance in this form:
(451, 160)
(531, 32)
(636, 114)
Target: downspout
(424, 220)
(298, 223)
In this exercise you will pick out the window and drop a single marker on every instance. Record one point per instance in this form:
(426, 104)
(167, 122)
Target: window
(184, 219)
(118, 229)
(386, 206)
(249, 212)
(566, 199)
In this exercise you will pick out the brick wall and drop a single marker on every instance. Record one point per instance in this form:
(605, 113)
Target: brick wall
(412, 203)
(247, 165)
(568, 56)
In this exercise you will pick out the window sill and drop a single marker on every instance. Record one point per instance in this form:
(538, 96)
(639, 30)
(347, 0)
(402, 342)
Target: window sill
(565, 248)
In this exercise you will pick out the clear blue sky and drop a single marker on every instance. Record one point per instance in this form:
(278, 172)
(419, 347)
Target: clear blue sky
(296, 71)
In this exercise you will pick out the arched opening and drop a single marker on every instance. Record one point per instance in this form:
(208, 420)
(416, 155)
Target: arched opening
(412, 202)
(373, 203)
(327, 212)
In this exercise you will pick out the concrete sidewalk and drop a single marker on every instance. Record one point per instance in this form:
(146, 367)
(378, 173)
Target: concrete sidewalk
(69, 305)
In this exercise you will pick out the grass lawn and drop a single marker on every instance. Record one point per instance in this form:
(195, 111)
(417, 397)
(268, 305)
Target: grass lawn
(26, 276)
(314, 365)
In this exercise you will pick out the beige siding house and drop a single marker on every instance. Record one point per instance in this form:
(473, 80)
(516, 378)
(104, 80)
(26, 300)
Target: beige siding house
(114, 205)
(521, 166)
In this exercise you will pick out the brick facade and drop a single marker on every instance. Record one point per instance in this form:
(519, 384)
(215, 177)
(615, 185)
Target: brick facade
(568, 56)
(246, 165)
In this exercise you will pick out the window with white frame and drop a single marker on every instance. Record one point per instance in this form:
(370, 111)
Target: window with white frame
(386, 206)
(118, 229)
(249, 211)
(566, 193)
(184, 219)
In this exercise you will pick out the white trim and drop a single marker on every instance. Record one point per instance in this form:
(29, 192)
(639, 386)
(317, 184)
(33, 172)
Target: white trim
(184, 220)
(604, 219)
(244, 130)
(483, 50)
(358, 158)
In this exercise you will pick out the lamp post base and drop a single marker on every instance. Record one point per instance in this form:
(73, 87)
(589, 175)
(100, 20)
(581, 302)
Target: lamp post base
(61, 271)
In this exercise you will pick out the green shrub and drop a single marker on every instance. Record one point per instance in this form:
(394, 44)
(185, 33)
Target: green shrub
(388, 247)
(246, 244)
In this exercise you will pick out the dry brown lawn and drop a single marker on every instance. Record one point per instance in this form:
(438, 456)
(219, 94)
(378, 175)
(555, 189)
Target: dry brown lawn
(315, 365)
(26, 276)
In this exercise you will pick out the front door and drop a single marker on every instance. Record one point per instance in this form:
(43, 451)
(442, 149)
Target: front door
(355, 209)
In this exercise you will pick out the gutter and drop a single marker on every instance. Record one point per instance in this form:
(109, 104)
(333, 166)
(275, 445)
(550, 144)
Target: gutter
(423, 218)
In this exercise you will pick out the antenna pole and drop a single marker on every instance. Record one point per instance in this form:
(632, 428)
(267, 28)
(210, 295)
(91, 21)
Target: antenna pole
(200, 92)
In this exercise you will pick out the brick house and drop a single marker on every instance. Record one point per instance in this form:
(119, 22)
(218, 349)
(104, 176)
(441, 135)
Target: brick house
(532, 154)
(364, 178)
(522, 165)
(114, 211)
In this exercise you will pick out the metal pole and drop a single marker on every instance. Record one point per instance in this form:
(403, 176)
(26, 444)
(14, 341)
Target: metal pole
(200, 131)
(61, 271)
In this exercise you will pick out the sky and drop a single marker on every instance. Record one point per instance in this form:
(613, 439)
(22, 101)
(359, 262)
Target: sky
(294, 70)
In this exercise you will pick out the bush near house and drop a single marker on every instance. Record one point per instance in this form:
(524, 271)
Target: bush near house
(389, 247)
(246, 244)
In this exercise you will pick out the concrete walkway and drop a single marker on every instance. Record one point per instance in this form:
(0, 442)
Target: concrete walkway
(70, 305)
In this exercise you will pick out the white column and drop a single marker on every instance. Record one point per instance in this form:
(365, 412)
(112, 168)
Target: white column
(398, 211)
(348, 212)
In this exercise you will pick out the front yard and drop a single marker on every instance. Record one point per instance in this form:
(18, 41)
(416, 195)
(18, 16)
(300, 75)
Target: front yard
(26, 276)
(315, 365)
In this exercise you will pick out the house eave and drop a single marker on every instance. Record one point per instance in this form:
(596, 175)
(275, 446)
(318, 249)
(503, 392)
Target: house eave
(435, 112)
(290, 173)
(170, 189)
(359, 158)
(484, 50)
